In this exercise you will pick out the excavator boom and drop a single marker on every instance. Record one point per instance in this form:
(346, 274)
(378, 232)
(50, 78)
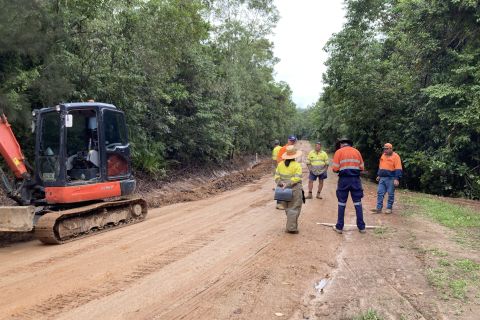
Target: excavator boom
(10, 149)
(13, 218)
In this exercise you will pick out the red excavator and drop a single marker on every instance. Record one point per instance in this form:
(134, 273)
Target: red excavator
(82, 183)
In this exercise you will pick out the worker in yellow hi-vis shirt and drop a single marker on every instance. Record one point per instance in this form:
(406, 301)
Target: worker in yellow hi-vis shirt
(274, 157)
(275, 151)
(317, 164)
(289, 176)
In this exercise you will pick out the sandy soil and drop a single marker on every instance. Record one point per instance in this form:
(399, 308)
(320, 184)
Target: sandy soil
(227, 257)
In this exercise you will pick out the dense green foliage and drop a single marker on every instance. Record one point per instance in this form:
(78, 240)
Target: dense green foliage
(194, 77)
(408, 72)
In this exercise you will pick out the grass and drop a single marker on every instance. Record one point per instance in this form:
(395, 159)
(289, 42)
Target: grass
(463, 220)
(455, 278)
(437, 252)
(447, 214)
(369, 315)
(380, 232)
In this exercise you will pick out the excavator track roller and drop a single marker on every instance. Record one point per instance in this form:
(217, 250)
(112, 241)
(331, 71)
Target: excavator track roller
(57, 227)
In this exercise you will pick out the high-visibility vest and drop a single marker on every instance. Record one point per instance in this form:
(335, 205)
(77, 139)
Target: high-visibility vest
(292, 173)
(390, 166)
(347, 161)
(317, 160)
(275, 152)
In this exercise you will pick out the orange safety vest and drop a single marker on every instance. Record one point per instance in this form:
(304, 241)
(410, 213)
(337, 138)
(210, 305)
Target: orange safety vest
(390, 166)
(347, 161)
(281, 152)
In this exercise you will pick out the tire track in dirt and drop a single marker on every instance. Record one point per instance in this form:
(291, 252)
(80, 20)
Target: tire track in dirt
(260, 203)
(43, 263)
(382, 276)
(73, 299)
(113, 239)
(363, 282)
(228, 281)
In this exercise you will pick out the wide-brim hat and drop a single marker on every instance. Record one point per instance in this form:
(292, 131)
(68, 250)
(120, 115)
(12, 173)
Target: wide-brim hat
(291, 153)
(343, 140)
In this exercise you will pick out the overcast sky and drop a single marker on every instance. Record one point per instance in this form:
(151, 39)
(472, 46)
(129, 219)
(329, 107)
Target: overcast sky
(303, 29)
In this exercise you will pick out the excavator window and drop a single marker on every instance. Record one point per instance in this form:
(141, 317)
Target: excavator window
(49, 168)
(83, 158)
(116, 143)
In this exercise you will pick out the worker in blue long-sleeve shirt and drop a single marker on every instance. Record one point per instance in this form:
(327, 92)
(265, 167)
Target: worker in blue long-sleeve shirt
(388, 177)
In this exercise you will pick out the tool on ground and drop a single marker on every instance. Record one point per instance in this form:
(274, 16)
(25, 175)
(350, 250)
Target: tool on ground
(348, 226)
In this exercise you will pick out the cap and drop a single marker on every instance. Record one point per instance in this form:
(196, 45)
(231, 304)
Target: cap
(318, 142)
(292, 138)
(276, 142)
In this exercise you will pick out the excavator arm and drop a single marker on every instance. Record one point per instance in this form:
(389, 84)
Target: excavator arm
(11, 151)
(18, 218)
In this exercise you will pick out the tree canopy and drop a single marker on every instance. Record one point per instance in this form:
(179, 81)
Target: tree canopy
(195, 78)
(408, 72)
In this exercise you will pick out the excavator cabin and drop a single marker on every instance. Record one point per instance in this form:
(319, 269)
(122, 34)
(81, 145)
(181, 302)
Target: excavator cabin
(82, 152)
(81, 177)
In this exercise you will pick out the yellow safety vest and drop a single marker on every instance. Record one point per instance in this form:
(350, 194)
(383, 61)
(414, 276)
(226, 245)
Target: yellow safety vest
(292, 173)
(317, 159)
(275, 152)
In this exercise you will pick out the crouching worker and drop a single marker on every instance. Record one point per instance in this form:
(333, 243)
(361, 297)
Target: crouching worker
(289, 176)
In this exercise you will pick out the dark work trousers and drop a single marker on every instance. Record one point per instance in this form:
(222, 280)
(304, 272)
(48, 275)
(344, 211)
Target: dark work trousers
(354, 186)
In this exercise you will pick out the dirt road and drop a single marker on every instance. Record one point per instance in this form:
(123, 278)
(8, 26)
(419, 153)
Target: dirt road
(225, 257)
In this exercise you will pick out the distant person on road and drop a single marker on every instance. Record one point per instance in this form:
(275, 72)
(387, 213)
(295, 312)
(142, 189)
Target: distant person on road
(317, 164)
(348, 163)
(275, 151)
(289, 175)
(388, 177)
(291, 141)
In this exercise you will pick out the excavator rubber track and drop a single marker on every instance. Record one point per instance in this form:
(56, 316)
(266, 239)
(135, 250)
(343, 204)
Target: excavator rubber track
(57, 227)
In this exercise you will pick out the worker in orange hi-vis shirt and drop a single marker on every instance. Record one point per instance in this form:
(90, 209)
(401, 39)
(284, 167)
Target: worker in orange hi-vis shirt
(348, 163)
(388, 177)
(291, 141)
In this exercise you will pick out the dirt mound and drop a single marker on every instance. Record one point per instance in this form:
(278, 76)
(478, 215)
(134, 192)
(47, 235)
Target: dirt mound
(200, 187)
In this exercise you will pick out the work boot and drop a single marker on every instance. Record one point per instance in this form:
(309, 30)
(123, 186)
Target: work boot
(376, 211)
(337, 230)
(309, 196)
(388, 211)
(280, 206)
(319, 196)
(292, 231)
(362, 230)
